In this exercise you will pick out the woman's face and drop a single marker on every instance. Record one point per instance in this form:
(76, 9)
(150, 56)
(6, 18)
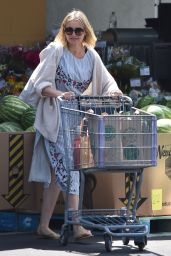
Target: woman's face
(74, 32)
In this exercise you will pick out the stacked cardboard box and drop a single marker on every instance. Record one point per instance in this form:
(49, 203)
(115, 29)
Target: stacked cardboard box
(16, 193)
(15, 159)
(155, 194)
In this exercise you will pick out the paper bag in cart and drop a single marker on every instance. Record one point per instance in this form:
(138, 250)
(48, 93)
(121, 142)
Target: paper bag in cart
(86, 156)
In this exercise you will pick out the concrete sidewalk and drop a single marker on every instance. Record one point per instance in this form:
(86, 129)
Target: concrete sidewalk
(28, 244)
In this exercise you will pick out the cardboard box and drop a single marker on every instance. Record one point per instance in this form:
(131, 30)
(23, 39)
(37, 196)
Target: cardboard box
(60, 204)
(155, 194)
(94, 186)
(15, 159)
(103, 195)
(88, 201)
(16, 193)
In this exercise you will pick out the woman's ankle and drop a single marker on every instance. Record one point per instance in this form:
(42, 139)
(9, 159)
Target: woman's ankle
(43, 227)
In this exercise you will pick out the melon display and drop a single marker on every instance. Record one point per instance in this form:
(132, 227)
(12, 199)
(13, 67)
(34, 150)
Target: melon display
(10, 127)
(28, 117)
(30, 129)
(12, 108)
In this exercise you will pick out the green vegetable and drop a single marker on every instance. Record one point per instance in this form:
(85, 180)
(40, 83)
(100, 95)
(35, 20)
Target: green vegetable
(167, 111)
(145, 101)
(164, 125)
(168, 103)
(155, 110)
(159, 110)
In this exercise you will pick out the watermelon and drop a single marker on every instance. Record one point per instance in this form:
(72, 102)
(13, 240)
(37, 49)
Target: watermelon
(10, 127)
(164, 125)
(28, 117)
(11, 108)
(30, 129)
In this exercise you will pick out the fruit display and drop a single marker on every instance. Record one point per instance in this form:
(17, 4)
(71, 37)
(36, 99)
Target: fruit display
(27, 118)
(11, 108)
(16, 115)
(10, 127)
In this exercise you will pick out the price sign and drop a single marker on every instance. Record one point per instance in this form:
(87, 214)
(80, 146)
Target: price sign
(135, 82)
(144, 71)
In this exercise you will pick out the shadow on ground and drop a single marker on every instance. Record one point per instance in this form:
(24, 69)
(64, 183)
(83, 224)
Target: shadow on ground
(91, 246)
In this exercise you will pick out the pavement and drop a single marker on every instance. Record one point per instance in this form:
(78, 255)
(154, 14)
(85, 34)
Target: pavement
(28, 244)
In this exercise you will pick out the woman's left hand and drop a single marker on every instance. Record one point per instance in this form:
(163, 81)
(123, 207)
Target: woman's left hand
(116, 93)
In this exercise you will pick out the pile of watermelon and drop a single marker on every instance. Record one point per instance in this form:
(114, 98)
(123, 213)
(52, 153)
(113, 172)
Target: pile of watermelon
(16, 115)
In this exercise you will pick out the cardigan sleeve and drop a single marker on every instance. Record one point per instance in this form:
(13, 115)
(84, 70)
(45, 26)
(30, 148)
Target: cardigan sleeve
(44, 74)
(103, 82)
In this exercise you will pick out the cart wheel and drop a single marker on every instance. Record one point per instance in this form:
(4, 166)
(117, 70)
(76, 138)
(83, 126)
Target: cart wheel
(141, 246)
(64, 236)
(125, 240)
(108, 242)
(141, 243)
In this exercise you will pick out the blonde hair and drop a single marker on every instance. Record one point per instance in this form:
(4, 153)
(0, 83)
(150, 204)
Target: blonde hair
(89, 39)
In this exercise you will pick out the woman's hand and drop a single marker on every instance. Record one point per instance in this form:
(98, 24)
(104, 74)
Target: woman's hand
(68, 95)
(51, 92)
(116, 93)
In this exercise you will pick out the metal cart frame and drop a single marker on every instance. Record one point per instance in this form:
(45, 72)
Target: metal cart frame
(130, 145)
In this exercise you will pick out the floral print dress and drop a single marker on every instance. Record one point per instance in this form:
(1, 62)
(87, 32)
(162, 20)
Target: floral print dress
(75, 75)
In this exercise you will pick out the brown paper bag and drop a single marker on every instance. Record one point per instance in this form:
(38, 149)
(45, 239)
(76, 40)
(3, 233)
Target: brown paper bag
(86, 156)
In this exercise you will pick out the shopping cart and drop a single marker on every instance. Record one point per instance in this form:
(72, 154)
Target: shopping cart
(108, 134)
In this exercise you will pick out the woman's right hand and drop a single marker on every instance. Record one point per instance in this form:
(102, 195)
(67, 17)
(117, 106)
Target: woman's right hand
(51, 92)
(68, 95)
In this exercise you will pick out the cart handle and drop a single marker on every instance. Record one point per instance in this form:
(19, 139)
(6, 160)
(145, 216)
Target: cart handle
(122, 99)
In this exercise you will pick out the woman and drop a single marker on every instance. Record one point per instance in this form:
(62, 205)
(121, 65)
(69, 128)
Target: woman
(68, 66)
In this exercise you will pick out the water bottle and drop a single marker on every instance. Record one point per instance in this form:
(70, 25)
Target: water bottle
(113, 20)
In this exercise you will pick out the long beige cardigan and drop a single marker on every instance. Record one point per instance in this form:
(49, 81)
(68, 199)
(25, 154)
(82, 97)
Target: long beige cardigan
(48, 112)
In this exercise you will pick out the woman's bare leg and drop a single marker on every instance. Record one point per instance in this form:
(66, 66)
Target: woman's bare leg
(79, 231)
(50, 196)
